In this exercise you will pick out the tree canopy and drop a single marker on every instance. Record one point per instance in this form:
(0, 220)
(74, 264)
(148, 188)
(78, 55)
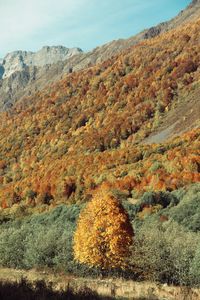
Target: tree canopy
(104, 233)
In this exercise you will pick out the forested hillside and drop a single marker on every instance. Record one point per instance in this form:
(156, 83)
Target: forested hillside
(88, 129)
(100, 171)
(23, 76)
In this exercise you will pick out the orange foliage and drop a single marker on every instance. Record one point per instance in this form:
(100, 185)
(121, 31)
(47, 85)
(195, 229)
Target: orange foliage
(84, 130)
(104, 233)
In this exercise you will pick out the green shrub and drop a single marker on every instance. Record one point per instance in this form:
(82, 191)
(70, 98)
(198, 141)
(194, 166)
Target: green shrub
(12, 247)
(42, 240)
(187, 212)
(195, 267)
(41, 247)
(156, 166)
(165, 253)
(163, 198)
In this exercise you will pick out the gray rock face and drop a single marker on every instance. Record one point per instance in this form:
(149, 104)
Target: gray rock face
(2, 70)
(24, 73)
(19, 60)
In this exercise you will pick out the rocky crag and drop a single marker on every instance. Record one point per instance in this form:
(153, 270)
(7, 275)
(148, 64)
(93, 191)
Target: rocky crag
(19, 60)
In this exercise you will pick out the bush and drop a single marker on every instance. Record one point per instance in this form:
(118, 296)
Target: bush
(43, 240)
(63, 259)
(165, 253)
(12, 247)
(39, 241)
(195, 267)
(131, 209)
(41, 247)
(187, 212)
(163, 198)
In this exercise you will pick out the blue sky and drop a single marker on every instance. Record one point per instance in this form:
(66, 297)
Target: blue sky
(31, 24)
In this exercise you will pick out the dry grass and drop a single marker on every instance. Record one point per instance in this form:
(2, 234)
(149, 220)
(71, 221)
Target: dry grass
(99, 289)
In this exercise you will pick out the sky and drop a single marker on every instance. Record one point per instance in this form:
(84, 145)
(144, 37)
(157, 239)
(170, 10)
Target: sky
(32, 24)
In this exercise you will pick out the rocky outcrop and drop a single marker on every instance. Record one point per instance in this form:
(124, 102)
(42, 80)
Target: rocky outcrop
(2, 70)
(19, 60)
(26, 72)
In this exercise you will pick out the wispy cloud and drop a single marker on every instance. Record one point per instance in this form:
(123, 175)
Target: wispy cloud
(30, 24)
(23, 20)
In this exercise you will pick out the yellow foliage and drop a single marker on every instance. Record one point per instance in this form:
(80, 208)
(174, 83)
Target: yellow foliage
(104, 233)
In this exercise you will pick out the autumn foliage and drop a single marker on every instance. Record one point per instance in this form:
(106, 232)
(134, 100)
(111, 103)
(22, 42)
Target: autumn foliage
(104, 233)
(61, 143)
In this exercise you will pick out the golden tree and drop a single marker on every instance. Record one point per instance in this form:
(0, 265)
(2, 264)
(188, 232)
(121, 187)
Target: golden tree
(104, 233)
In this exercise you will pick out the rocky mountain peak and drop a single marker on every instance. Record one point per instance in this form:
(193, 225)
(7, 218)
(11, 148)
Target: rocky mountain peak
(23, 72)
(194, 2)
(48, 55)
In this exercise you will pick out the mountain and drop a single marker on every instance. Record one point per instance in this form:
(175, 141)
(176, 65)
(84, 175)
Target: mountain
(19, 60)
(121, 122)
(91, 128)
(20, 68)
(24, 73)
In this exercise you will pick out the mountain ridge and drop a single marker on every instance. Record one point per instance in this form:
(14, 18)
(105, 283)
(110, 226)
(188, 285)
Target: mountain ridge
(18, 60)
(33, 78)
